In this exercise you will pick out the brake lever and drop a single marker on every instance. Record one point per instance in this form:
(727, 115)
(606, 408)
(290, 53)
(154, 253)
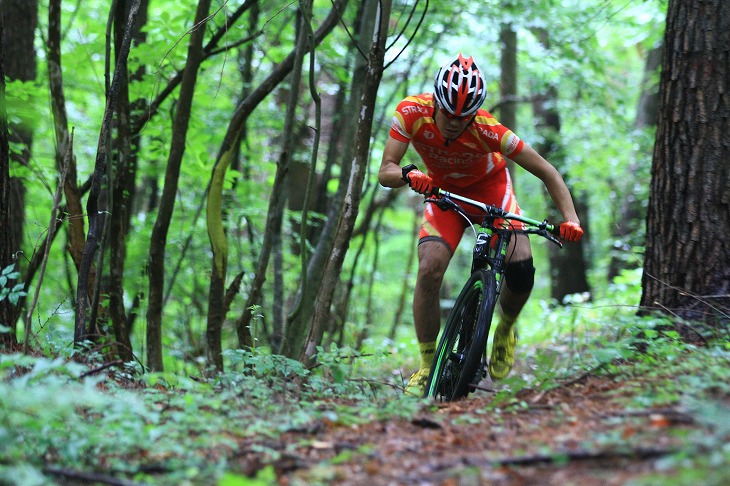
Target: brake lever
(443, 203)
(553, 239)
(550, 234)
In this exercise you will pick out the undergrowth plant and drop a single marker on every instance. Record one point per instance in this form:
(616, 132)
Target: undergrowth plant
(177, 428)
(59, 412)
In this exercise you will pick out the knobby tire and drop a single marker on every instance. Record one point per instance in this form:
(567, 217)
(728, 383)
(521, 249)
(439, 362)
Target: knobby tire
(464, 340)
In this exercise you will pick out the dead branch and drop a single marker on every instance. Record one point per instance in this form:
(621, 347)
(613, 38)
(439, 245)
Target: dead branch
(86, 477)
(641, 453)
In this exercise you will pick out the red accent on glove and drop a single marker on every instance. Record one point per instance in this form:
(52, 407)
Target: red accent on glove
(420, 182)
(571, 231)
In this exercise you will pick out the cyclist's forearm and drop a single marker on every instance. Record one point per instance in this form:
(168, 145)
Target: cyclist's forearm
(390, 175)
(533, 162)
(563, 200)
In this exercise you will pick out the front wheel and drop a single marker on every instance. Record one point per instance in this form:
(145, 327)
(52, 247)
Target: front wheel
(464, 340)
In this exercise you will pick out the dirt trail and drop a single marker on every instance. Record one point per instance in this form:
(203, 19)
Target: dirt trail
(577, 434)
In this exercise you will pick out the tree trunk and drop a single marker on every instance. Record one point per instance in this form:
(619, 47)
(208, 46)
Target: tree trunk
(687, 265)
(508, 84)
(299, 320)
(18, 21)
(123, 187)
(74, 207)
(169, 192)
(219, 244)
(285, 167)
(627, 231)
(99, 204)
(372, 75)
(242, 113)
(8, 338)
(568, 265)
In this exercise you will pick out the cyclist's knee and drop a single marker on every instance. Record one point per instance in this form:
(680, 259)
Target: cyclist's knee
(520, 248)
(520, 276)
(433, 259)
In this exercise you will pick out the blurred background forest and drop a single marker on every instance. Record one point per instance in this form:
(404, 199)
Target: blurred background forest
(213, 161)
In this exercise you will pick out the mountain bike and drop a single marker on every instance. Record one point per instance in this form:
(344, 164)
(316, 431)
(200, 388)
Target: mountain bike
(460, 361)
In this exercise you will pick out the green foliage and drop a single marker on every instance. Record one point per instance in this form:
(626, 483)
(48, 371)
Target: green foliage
(14, 293)
(595, 57)
(57, 412)
(54, 411)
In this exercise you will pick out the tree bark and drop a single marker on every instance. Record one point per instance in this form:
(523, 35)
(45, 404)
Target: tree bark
(242, 113)
(8, 338)
(99, 204)
(568, 265)
(18, 21)
(123, 187)
(687, 265)
(508, 84)
(169, 192)
(74, 206)
(299, 319)
(373, 73)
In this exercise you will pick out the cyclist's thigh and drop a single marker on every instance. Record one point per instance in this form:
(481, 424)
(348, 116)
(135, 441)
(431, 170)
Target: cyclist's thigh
(446, 227)
(519, 248)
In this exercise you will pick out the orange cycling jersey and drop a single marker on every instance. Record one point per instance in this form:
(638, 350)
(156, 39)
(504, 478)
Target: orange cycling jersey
(466, 163)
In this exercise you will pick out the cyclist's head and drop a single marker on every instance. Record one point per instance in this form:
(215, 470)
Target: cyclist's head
(459, 87)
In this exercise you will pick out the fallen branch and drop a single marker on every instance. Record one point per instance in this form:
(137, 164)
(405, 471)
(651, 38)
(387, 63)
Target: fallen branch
(585, 374)
(101, 368)
(671, 414)
(481, 388)
(639, 453)
(86, 476)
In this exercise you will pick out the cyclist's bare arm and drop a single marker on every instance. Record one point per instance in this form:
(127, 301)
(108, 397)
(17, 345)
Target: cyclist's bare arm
(534, 163)
(390, 174)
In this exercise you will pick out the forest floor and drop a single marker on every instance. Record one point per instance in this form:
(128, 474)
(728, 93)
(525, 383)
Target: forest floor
(658, 417)
(589, 431)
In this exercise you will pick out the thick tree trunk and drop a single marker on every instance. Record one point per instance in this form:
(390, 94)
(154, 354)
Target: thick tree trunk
(18, 21)
(687, 265)
(8, 339)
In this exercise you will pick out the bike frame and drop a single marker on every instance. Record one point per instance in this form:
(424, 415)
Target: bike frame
(489, 256)
(488, 253)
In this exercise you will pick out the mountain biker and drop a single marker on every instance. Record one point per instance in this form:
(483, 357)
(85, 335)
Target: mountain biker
(464, 148)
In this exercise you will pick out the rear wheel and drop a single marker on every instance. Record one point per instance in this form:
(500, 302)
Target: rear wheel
(464, 340)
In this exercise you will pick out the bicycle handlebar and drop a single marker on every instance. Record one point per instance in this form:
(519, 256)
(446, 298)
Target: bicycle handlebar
(444, 199)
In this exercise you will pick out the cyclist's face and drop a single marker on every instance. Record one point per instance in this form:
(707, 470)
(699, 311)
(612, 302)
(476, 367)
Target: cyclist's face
(449, 125)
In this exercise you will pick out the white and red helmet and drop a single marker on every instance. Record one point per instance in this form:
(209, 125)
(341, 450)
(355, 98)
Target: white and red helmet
(460, 87)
